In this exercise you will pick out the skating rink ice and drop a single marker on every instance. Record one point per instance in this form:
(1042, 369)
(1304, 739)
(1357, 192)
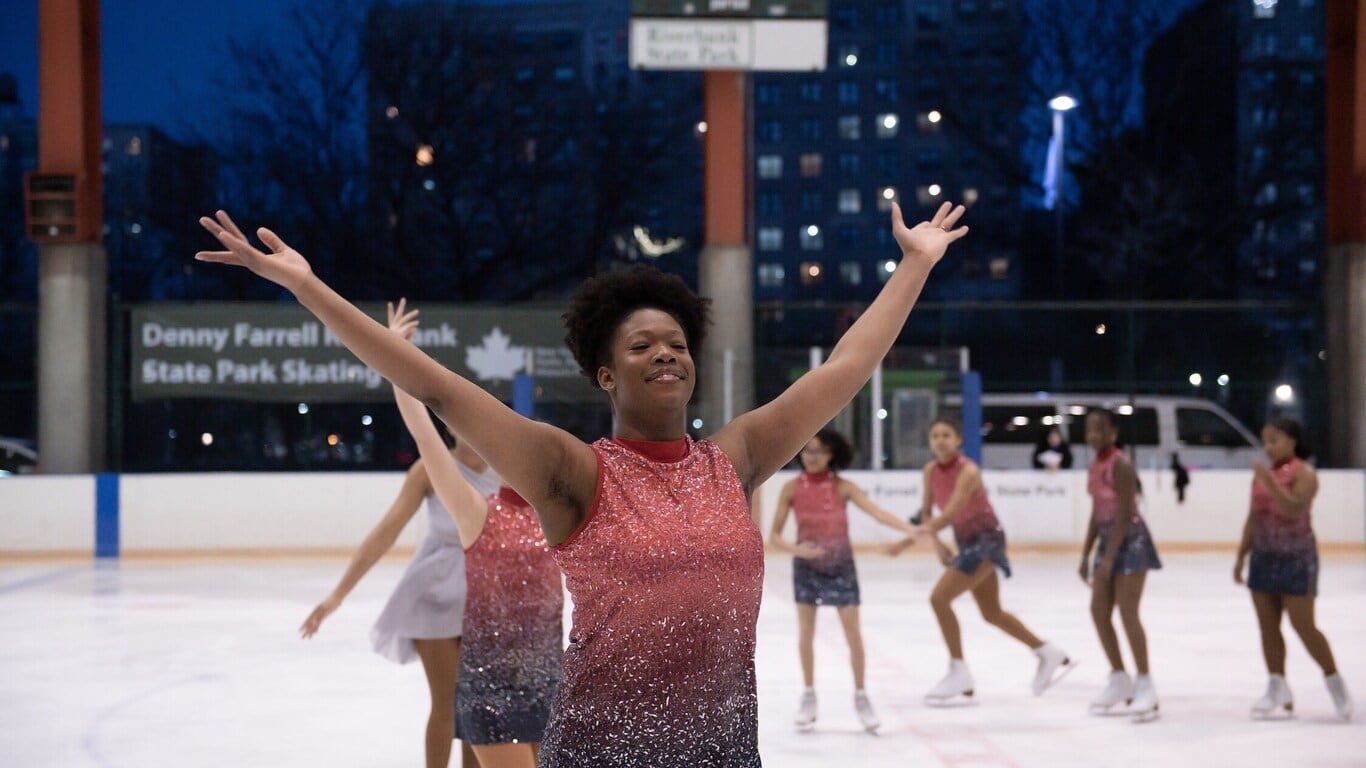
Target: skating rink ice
(152, 663)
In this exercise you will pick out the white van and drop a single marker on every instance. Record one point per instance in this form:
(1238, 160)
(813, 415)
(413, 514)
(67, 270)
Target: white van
(1152, 428)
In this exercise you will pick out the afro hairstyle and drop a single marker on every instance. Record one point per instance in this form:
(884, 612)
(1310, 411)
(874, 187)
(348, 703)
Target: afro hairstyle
(601, 303)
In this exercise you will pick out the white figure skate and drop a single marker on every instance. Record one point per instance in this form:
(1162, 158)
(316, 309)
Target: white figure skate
(1144, 705)
(1119, 691)
(1276, 703)
(1054, 665)
(955, 690)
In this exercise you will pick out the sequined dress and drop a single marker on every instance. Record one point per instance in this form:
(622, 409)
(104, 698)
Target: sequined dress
(666, 573)
(1137, 552)
(1285, 554)
(832, 578)
(976, 530)
(429, 600)
(510, 654)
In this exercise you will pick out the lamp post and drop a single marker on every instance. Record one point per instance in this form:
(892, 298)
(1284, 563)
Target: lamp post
(1056, 172)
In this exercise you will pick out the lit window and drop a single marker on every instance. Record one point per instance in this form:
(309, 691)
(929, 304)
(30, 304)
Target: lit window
(1267, 194)
(850, 202)
(134, 147)
(848, 56)
(887, 125)
(425, 155)
(929, 122)
(851, 273)
(1264, 9)
(811, 272)
(970, 195)
(391, 112)
(885, 197)
(885, 270)
(849, 127)
(771, 239)
(929, 194)
(812, 238)
(811, 165)
(771, 275)
(770, 166)
(999, 268)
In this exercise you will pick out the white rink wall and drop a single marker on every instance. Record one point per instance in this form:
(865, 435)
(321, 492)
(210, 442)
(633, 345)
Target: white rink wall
(328, 512)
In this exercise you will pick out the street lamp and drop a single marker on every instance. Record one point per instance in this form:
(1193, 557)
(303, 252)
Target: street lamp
(1054, 172)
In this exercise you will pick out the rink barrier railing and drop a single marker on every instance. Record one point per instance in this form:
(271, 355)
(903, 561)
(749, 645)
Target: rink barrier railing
(282, 513)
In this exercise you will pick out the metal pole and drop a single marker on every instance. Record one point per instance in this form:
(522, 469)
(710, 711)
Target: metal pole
(728, 387)
(875, 431)
(1059, 130)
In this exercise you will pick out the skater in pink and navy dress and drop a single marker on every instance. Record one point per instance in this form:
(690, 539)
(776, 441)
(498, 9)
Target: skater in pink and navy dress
(513, 620)
(652, 529)
(823, 571)
(1124, 553)
(1284, 574)
(953, 484)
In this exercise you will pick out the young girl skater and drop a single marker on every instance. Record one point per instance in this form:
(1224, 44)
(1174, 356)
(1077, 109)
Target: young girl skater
(511, 651)
(651, 528)
(1284, 574)
(953, 483)
(823, 571)
(1122, 560)
(424, 614)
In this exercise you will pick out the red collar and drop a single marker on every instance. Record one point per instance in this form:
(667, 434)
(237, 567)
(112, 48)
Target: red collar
(817, 477)
(668, 451)
(945, 465)
(511, 498)
(1107, 452)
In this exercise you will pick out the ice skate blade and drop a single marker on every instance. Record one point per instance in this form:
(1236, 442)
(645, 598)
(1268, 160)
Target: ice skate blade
(1275, 714)
(1146, 716)
(1061, 672)
(805, 727)
(951, 702)
(1114, 710)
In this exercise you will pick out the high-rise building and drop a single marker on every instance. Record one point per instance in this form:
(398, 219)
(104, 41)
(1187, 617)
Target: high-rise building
(919, 104)
(521, 154)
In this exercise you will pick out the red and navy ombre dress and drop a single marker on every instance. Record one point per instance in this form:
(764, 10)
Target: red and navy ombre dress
(832, 578)
(511, 650)
(1137, 552)
(665, 573)
(976, 530)
(1285, 554)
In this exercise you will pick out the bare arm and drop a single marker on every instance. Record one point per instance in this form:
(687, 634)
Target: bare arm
(549, 467)
(760, 442)
(379, 541)
(801, 548)
(462, 502)
(860, 499)
(1085, 569)
(1294, 502)
(969, 482)
(1244, 547)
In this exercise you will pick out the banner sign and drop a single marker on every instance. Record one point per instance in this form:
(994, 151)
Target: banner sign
(281, 353)
(742, 35)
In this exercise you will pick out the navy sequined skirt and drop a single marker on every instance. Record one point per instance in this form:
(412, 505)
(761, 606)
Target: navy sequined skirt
(834, 585)
(988, 545)
(1284, 573)
(1136, 553)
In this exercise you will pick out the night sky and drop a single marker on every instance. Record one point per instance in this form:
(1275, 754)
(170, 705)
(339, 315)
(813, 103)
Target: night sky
(154, 52)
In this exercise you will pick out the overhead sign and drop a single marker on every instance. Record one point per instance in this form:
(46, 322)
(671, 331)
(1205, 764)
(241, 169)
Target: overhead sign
(281, 353)
(748, 35)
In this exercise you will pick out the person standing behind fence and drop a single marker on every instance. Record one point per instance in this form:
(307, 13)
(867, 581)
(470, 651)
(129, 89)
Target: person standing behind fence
(1052, 452)
(953, 483)
(823, 571)
(1284, 573)
(1123, 558)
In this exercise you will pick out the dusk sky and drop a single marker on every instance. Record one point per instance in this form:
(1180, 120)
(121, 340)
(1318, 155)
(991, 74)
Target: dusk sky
(154, 52)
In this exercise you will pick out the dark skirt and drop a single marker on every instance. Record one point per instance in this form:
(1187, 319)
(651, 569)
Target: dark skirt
(1284, 573)
(830, 585)
(988, 545)
(1136, 553)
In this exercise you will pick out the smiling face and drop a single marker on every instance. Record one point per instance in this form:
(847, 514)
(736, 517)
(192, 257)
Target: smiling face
(651, 374)
(945, 442)
(1277, 444)
(815, 456)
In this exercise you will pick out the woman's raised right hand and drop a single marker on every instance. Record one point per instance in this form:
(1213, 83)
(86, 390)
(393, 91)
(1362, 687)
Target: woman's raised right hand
(283, 265)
